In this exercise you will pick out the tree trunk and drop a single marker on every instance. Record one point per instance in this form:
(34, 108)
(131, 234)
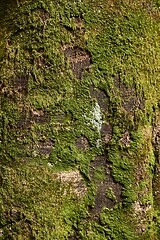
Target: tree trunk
(80, 119)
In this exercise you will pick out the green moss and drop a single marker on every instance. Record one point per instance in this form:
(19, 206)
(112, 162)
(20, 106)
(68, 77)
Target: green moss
(114, 221)
(99, 174)
(38, 199)
(42, 100)
(110, 194)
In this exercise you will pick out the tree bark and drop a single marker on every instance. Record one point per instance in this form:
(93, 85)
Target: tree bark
(80, 120)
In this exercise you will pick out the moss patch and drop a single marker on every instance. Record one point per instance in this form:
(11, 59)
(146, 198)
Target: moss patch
(79, 81)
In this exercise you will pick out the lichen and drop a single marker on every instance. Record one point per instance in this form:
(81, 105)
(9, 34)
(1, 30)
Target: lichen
(95, 117)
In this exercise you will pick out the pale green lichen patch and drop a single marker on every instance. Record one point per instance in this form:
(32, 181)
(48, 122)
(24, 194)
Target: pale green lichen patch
(95, 117)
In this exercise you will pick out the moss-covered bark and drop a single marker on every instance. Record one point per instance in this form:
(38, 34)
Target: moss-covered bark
(79, 119)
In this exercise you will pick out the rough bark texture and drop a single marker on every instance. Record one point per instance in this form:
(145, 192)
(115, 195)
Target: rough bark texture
(80, 119)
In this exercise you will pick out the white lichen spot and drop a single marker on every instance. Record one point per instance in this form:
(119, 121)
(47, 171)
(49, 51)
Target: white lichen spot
(98, 143)
(1, 233)
(50, 164)
(95, 117)
(34, 153)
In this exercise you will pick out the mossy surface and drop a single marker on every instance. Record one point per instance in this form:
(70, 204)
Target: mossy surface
(80, 93)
